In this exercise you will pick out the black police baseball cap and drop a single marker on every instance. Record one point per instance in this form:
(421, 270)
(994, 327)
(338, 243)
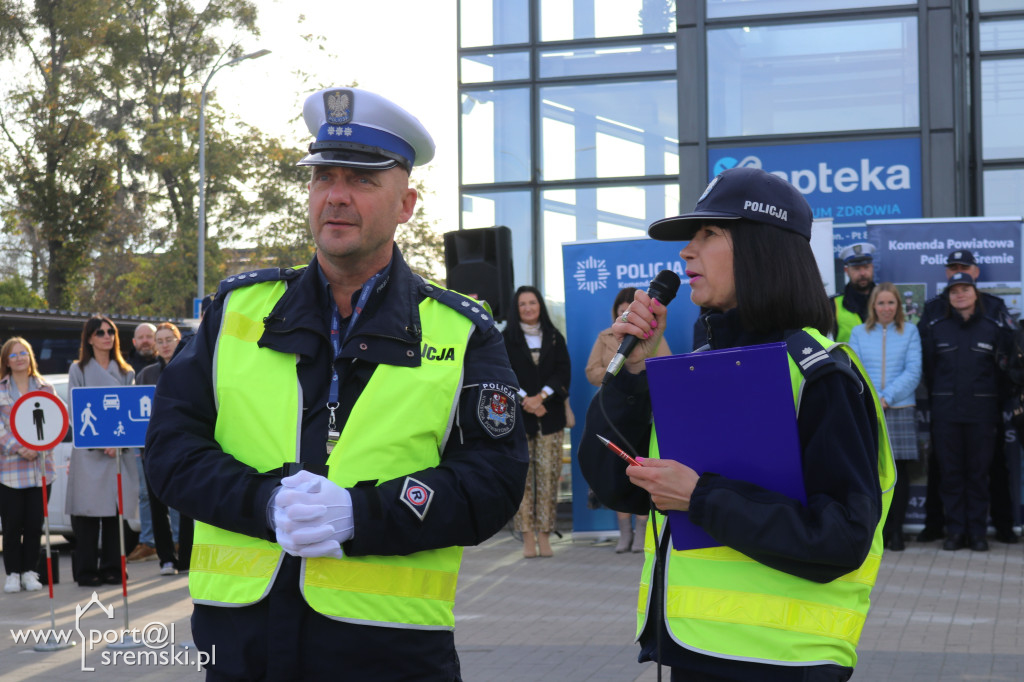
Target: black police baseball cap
(741, 194)
(961, 278)
(963, 257)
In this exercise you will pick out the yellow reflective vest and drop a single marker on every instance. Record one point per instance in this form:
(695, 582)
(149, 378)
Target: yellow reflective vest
(845, 320)
(259, 416)
(722, 603)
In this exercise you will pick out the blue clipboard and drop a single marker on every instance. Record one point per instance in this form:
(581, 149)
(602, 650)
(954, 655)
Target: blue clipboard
(728, 412)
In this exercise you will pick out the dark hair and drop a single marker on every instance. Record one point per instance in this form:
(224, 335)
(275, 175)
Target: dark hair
(513, 314)
(624, 296)
(778, 285)
(85, 353)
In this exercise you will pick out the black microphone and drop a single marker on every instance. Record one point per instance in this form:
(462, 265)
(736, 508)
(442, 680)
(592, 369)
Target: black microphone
(663, 287)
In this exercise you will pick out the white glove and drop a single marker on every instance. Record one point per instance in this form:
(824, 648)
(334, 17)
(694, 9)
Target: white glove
(313, 516)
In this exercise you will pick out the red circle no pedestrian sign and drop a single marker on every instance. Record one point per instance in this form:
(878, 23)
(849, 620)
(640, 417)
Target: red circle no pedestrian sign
(39, 420)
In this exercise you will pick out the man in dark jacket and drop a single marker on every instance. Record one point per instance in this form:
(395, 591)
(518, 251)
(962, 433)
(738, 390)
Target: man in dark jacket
(339, 562)
(1000, 497)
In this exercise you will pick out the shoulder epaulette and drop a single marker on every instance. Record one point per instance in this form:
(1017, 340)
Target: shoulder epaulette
(814, 361)
(471, 308)
(255, 277)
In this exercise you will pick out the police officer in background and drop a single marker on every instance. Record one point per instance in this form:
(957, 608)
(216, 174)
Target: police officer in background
(851, 306)
(339, 432)
(937, 308)
(964, 372)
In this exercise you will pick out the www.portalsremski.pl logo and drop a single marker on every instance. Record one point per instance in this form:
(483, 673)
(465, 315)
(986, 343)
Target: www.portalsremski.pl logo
(154, 643)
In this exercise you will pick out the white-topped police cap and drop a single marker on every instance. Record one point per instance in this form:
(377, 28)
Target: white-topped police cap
(360, 129)
(741, 193)
(862, 252)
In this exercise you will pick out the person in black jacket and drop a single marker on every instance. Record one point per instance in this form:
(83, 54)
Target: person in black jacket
(1000, 497)
(961, 354)
(712, 613)
(540, 359)
(174, 556)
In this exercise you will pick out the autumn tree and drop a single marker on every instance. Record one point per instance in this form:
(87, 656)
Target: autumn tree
(55, 166)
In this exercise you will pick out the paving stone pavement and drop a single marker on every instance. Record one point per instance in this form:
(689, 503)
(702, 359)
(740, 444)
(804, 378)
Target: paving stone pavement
(936, 617)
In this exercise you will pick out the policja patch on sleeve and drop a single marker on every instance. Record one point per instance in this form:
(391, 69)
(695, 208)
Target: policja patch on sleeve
(496, 410)
(417, 496)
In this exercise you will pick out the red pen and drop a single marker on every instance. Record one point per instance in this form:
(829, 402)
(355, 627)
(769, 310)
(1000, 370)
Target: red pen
(618, 451)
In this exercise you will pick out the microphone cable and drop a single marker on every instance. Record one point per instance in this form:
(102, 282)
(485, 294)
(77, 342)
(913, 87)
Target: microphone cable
(659, 558)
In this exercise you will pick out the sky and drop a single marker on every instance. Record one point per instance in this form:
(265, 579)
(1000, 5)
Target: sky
(404, 50)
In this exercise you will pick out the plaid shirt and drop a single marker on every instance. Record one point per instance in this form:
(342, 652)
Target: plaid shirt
(15, 470)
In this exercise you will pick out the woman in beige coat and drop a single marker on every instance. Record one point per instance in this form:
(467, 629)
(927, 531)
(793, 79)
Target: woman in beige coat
(92, 476)
(605, 347)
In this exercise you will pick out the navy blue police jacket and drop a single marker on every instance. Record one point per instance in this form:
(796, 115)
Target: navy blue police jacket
(477, 486)
(962, 365)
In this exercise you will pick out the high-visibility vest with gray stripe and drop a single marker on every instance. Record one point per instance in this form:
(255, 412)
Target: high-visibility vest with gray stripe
(398, 425)
(720, 602)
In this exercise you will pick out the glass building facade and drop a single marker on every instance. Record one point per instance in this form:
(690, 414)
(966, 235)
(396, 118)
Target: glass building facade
(589, 119)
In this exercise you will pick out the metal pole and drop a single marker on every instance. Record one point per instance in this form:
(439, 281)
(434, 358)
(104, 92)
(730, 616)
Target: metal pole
(128, 638)
(51, 643)
(201, 275)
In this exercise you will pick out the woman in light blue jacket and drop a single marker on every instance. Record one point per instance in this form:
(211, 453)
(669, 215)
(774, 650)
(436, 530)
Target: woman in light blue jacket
(891, 353)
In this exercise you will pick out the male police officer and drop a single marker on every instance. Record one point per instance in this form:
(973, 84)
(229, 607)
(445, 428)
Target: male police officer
(851, 306)
(392, 398)
(935, 309)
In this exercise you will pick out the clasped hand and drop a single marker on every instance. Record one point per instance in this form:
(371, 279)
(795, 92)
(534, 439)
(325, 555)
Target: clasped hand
(534, 404)
(312, 516)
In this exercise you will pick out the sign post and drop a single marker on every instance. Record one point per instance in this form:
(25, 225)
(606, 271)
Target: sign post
(113, 417)
(39, 421)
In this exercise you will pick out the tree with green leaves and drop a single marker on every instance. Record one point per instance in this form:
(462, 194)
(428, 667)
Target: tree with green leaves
(59, 176)
(99, 149)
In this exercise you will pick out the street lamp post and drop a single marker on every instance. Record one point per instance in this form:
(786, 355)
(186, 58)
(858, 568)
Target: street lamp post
(201, 277)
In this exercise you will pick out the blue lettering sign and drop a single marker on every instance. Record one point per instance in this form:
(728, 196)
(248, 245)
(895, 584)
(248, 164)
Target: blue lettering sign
(847, 181)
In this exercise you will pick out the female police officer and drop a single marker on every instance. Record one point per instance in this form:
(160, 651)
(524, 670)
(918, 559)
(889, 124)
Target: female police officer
(786, 594)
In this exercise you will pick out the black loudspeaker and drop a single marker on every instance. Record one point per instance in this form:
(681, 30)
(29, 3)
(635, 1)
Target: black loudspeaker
(478, 263)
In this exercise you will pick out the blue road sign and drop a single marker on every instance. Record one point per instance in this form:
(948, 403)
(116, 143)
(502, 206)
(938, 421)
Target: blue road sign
(111, 416)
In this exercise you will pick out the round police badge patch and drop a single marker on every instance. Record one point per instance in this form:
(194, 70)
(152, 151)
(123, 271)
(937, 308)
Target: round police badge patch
(496, 410)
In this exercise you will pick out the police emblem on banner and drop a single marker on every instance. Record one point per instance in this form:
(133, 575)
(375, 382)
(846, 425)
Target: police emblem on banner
(496, 409)
(417, 496)
(338, 106)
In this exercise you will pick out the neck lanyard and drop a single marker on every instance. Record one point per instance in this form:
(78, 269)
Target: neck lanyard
(337, 342)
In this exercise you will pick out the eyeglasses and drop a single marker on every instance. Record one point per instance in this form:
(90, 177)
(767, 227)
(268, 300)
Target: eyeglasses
(103, 332)
(19, 354)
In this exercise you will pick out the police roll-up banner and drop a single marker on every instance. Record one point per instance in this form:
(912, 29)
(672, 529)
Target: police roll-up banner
(594, 273)
(912, 255)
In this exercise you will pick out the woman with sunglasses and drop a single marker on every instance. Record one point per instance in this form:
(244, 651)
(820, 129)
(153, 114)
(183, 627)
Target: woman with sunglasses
(21, 500)
(92, 477)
